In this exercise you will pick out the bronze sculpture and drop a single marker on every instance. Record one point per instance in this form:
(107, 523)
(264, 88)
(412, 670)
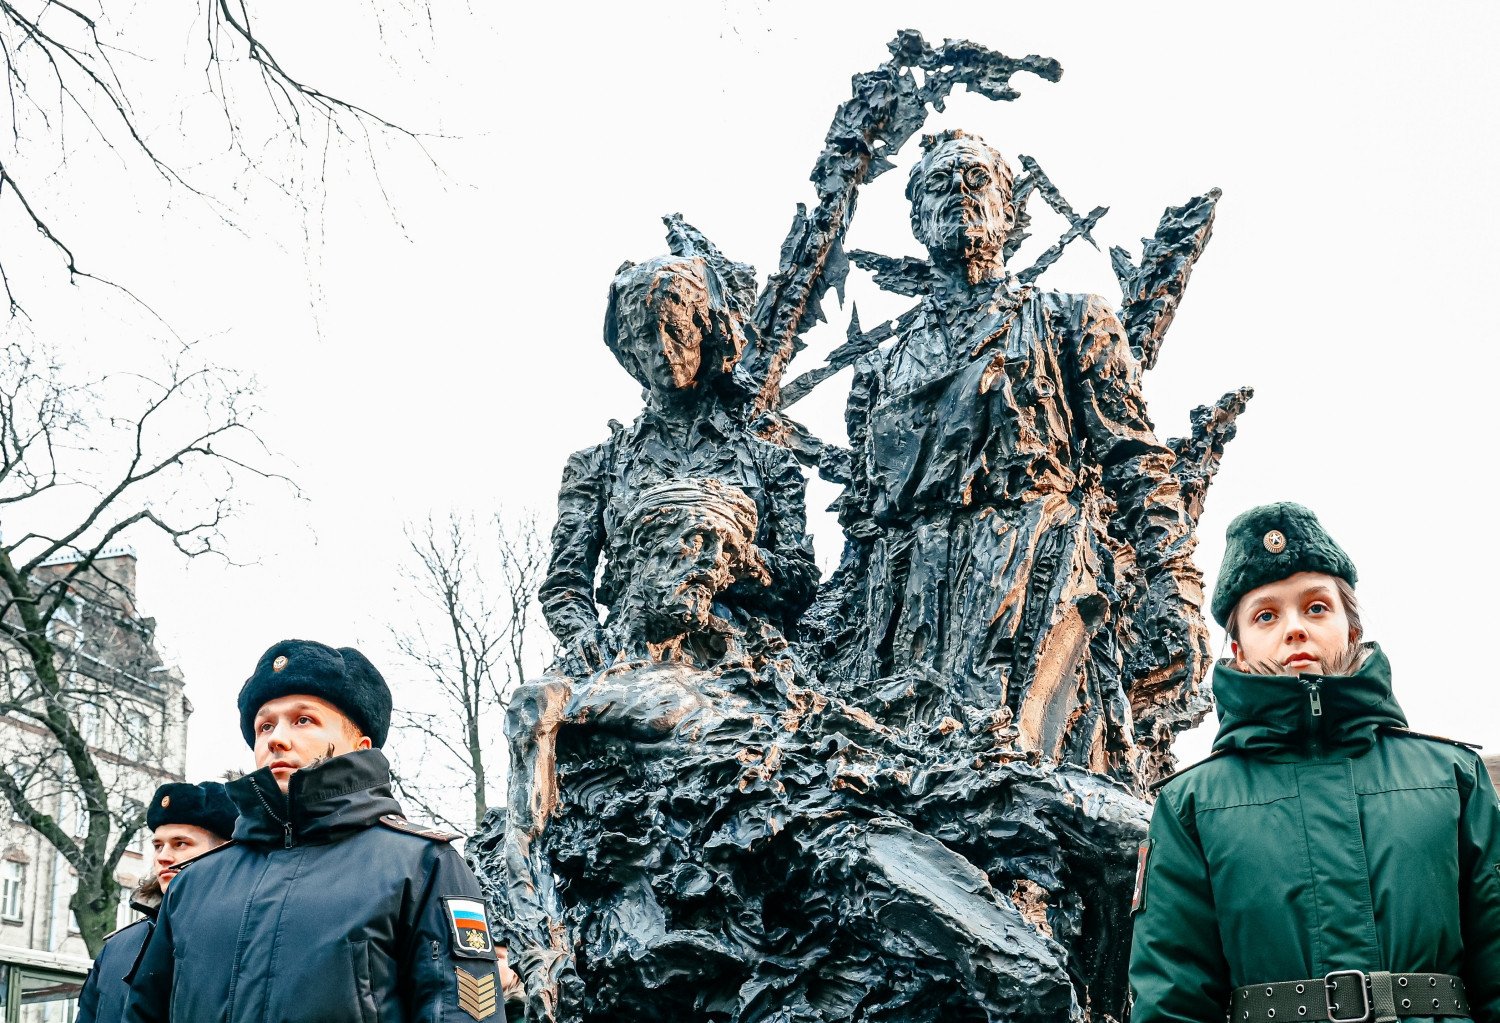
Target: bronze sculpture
(1004, 468)
(913, 792)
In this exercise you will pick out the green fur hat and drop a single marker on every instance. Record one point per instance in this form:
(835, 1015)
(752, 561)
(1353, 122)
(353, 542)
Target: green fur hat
(1272, 542)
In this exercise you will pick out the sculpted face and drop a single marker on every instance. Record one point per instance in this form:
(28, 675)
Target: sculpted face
(662, 322)
(961, 206)
(695, 541)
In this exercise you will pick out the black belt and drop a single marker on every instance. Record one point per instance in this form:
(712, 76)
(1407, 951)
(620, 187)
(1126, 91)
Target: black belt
(1351, 996)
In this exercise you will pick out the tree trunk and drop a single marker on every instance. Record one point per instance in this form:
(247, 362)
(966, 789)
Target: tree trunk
(96, 907)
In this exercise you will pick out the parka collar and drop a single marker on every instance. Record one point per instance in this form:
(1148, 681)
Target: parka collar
(146, 898)
(325, 803)
(1272, 714)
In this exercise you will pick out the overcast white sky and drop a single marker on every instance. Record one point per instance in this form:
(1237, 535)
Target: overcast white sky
(454, 359)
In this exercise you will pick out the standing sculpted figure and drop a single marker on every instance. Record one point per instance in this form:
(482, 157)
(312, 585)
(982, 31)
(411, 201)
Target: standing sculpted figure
(1008, 488)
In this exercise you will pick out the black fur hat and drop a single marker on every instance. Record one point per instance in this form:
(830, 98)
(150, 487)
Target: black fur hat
(343, 676)
(206, 805)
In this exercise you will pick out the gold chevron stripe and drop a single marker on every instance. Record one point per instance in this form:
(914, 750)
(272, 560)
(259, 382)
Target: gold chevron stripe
(476, 995)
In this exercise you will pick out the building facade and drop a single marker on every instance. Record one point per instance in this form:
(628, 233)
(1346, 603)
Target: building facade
(128, 705)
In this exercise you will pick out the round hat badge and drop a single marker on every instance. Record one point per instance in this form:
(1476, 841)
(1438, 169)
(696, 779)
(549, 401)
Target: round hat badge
(279, 663)
(1275, 542)
(166, 801)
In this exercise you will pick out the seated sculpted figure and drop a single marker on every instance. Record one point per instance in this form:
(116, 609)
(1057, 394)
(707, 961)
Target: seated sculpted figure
(697, 691)
(706, 562)
(1008, 496)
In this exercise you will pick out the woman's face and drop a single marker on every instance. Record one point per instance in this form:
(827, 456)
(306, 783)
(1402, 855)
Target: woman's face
(1293, 626)
(668, 342)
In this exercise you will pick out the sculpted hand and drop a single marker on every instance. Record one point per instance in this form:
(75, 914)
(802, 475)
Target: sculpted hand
(585, 651)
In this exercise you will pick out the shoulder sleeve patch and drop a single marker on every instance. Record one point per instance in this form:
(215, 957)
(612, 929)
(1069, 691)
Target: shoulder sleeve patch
(1394, 730)
(469, 923)
(1157, 785)
(401, 824)
(1142, 858)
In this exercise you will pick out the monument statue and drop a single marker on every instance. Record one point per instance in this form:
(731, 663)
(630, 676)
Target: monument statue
(1006, 485)
(912, 792)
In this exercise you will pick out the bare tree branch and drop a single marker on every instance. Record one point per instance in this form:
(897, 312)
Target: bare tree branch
(59, 62)
(470, 630)
(86, 699)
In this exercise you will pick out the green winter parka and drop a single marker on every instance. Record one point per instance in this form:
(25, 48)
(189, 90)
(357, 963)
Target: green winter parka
(1318, 837)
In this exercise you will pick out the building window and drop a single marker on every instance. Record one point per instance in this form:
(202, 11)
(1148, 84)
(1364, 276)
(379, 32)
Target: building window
(88, 723)
(137, 738)
(12, 890)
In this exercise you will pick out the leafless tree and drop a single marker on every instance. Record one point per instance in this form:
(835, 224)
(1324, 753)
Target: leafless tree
(86, 83)
(474, 633)
(80, 673)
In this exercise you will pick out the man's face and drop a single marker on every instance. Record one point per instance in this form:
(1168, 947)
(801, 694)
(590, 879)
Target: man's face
(293, 732)
(960, 204)
(175, 844)
(1295, 625)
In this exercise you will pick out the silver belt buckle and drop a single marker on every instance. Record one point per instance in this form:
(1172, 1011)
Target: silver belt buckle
(1362, 982)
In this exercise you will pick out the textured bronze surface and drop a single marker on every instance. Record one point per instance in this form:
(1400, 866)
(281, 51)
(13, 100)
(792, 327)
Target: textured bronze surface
(916, 790)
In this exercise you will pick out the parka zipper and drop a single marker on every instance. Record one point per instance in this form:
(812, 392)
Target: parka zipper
(286, 825)
(1315, 705)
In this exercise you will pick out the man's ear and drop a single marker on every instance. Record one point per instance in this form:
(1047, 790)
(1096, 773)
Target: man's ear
(363, 743)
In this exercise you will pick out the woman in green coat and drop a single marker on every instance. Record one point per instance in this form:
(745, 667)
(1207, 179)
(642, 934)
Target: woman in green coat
(1324, 862)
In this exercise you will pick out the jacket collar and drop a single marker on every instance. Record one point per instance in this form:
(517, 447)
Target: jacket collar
(325, 803)
(146, 898)
(1337, 714)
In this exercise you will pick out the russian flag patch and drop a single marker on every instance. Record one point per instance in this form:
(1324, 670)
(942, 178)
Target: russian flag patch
(469, 920)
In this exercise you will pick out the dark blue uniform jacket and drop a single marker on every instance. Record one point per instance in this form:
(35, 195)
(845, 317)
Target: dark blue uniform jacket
(326, 907)
(103, 997)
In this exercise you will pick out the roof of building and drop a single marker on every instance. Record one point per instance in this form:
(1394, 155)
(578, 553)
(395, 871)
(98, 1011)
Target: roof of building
(115, 551)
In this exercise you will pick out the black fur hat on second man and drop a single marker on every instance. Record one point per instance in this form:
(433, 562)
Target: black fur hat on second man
(343, 676)
(206, 805)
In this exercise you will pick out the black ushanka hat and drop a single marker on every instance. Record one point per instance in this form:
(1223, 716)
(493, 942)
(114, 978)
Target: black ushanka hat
(206, 805)
(343, 676)
(1269, 543)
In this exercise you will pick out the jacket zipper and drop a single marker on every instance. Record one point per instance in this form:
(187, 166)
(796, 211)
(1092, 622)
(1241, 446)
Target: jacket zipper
(285, 825)
(1315, 705)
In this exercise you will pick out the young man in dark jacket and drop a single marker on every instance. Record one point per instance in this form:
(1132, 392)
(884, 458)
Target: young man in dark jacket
(186, 821)
(1324, 863)
(328, 906)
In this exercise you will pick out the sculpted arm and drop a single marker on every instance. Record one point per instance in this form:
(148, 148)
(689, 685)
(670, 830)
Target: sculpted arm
(1137, 474)
(855, 505)
(783, 541)
(567, 593)
(1137, 467)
